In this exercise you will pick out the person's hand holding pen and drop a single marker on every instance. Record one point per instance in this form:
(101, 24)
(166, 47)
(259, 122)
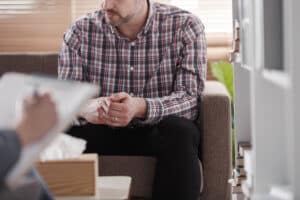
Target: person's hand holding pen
(39, 115)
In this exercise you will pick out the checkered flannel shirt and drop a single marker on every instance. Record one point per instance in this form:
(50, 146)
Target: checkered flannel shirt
(166, 64)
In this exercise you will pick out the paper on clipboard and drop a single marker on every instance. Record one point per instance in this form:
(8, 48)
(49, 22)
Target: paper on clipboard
(69, 97)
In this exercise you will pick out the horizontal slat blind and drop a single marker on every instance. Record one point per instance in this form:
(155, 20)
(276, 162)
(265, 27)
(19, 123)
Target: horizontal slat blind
(215, 14)
(39, 29)
(38, 25)
(81, 7)
(9, 7)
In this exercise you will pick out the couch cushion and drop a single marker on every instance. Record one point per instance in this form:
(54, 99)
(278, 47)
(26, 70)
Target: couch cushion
(140, 168)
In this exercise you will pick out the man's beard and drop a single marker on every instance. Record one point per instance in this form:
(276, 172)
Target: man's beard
(121, 20)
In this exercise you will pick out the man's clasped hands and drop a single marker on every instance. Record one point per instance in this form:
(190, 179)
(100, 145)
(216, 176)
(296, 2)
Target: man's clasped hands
(116, 110)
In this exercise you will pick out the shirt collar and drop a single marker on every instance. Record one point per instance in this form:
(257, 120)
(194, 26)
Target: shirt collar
(148, 24)
(150, 17)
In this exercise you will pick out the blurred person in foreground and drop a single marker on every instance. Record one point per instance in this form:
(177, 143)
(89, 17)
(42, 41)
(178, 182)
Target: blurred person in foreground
(38, 117)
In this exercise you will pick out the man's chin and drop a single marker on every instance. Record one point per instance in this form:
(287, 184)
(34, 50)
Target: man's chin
(112, 22)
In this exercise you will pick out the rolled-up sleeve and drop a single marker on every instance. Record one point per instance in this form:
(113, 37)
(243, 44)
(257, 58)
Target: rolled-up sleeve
(10, 148)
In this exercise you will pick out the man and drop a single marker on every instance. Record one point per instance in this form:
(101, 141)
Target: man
(30, 129)
(150, 62)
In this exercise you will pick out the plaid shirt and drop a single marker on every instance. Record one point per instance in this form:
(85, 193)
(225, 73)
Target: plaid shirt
(166, 64)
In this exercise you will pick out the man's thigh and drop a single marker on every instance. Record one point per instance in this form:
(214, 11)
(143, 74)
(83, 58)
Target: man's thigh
(171, 133)
(106, 140)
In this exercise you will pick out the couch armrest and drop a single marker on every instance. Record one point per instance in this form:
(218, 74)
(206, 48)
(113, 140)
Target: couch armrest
(215, 148)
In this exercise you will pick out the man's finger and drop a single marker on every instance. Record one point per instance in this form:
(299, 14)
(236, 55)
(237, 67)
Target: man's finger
(119, 115)
(101, 113)
(107, 102)
(103, 108)
(118, 97)
(117, 106)
(103, 104)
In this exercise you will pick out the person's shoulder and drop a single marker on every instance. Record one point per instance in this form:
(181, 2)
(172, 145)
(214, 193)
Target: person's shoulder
(82, 26)
(94, 19)
(170, 14)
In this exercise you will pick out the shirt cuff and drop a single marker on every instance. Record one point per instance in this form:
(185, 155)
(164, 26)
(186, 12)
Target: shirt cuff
(10, 150)
(154, 111)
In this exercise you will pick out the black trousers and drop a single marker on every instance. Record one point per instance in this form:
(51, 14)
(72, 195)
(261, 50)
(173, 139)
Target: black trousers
(174, 142)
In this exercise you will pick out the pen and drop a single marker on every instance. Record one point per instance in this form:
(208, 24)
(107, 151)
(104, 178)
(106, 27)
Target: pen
(35, 93)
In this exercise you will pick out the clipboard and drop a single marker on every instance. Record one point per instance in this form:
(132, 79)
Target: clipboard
(69, 97)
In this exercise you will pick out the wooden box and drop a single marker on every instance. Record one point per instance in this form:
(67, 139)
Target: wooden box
(71, 177)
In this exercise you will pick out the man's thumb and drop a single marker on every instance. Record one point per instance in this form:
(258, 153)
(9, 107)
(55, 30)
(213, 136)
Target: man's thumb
(117, 97)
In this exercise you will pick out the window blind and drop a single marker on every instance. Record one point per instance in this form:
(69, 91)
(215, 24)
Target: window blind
(33, 25)
(38, 25)
(12, 7)
(215, 14)
(81, 7)
(9, 8)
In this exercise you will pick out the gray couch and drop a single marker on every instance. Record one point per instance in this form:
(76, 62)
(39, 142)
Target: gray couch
(214, 121)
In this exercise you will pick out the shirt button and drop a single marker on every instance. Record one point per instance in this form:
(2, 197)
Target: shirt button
(132, 44)
(131, 94)
(131, 68)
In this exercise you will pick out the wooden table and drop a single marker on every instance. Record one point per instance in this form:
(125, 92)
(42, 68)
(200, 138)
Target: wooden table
(109, 188)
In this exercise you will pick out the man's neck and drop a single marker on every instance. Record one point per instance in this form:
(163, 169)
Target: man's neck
(131, 29)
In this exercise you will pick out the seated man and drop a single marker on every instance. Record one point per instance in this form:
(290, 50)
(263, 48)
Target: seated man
(38, 117)
(150, 62)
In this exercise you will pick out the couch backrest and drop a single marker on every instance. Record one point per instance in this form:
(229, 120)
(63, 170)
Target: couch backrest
(218, 47)
(29, 63)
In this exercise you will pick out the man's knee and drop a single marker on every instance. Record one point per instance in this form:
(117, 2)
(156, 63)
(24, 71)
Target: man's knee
(180, 130)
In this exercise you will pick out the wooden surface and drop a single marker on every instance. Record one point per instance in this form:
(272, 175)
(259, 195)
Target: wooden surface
(109, 188)
(71, 177)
